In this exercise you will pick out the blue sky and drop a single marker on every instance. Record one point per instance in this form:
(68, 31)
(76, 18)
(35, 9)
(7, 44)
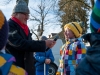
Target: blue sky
(7, 10)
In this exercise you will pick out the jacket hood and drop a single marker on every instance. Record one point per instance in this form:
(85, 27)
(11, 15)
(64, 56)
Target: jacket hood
(93, 39)
(93, 52)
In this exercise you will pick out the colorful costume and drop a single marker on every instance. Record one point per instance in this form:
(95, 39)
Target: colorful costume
(71, 55)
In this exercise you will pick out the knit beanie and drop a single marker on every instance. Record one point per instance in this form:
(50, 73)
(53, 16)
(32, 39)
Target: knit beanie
(75, 27)
(3, 30)
(43, 38)
(95, 17)
(22, 7)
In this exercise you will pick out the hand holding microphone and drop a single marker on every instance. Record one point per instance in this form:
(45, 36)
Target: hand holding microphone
(51, 43)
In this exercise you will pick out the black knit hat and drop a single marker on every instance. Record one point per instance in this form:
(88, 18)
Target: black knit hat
(3, 30)
(22, 7)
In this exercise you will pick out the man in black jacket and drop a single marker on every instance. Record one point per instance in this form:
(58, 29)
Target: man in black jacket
(20, 43)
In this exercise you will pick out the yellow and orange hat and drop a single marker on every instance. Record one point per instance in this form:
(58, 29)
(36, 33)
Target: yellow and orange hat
(75, 27)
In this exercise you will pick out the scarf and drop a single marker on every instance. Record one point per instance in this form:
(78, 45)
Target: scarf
(23, 26)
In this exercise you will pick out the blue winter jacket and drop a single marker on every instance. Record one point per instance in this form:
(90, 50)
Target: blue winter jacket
(90, 65)
(40, 57)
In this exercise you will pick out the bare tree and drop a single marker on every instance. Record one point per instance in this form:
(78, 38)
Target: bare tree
(34, 34)
(42, 15)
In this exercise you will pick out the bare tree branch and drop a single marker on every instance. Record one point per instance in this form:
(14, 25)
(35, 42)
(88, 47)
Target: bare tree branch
(42, 12)
(5, 2)
(35, 34)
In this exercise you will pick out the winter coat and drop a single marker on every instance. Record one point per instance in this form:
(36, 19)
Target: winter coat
(22, 47)
(40, 57)
(90, 65)
(72, 52)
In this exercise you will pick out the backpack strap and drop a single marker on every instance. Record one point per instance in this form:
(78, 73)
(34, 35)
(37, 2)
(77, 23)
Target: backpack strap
(7, 67)
(17, 70)
(6, 61)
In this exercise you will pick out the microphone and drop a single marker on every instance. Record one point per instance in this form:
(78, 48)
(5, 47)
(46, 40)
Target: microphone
(55, 39)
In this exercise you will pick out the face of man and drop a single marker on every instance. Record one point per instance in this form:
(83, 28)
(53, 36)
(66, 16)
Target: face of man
(23, 17)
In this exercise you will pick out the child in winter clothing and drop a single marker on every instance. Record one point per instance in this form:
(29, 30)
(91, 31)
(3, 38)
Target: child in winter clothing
(90, 65)
(72, 51)
(41, 58)
(6, 60)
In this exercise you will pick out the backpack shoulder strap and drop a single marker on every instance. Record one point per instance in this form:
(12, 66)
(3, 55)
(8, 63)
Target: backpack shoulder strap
(7, 67)
(6, 61)
(17, 70)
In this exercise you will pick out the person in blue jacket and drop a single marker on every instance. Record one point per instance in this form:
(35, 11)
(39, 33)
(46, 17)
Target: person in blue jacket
(41, 58)
(90, 65)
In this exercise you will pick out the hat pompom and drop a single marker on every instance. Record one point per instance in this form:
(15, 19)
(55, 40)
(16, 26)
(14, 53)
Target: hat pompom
(3, 30)
(43, 38)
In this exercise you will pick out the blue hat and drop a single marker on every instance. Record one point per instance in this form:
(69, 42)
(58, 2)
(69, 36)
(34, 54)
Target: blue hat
(95, 17)
(3, 30)
(43, 38)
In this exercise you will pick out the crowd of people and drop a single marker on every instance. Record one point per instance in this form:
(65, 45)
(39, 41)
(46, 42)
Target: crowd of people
(17, 47)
